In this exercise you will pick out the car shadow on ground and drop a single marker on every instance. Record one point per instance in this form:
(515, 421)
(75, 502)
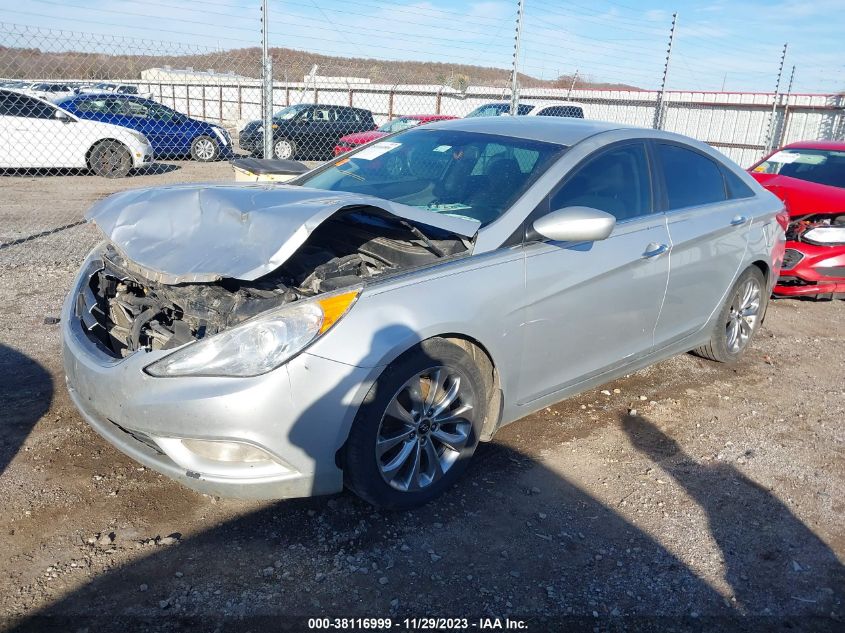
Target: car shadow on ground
(151, 169)
(26, 391)
(764, 546)
(513, 537)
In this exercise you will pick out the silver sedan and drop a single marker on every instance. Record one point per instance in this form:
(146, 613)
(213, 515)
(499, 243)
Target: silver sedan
(370, 322)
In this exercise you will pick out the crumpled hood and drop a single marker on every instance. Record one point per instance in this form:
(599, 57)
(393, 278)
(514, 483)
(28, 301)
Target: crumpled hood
(802, 197)
(205, 232)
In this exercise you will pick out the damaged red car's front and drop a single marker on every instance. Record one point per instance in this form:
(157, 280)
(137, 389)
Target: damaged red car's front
(810, 178)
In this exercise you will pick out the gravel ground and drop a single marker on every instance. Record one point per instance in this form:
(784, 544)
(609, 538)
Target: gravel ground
(688, 496)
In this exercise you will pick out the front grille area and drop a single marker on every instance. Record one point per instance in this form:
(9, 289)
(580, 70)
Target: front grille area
(791, 257)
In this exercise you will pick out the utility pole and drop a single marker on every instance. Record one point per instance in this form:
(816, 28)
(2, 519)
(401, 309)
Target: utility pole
(786, 107)
(658, 108)
(514, 76)
(267, 84)
(770, 132)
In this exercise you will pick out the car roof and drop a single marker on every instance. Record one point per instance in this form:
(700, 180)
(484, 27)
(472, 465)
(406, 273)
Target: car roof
(560, 130)
(827, 145)
(537, 103)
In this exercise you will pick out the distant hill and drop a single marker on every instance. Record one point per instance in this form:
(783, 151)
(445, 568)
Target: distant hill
(293, 65)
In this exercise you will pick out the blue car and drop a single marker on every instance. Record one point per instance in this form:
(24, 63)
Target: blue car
(172, 134)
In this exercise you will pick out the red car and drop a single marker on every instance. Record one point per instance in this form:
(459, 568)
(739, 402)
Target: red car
(810, 178)
(351, 141)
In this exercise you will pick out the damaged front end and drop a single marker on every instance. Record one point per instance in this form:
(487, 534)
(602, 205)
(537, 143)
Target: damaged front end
(128, 304)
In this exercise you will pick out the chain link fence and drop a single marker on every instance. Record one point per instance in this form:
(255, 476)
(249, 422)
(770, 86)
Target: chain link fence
(83, 115)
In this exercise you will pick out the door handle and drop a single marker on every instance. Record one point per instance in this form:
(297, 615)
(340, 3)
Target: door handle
(654, 249)
(739, 220)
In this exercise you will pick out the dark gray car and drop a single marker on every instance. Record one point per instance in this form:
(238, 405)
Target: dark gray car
(306, 131)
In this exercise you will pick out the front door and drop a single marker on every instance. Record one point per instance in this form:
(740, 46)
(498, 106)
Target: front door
(593, 306)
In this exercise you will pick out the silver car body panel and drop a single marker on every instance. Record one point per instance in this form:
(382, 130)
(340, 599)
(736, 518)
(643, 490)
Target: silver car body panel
(555, 318)
(201, 233)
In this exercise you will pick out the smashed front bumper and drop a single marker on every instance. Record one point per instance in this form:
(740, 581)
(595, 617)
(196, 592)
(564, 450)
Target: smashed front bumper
(299, 414)
(811, 270)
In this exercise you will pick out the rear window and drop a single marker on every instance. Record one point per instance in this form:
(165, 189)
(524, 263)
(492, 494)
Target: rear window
(824, 167)
(499, 109)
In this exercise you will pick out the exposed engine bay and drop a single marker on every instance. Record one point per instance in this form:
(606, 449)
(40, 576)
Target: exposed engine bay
(123, 311)
(799, 229)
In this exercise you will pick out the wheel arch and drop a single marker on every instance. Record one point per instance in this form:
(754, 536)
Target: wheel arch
(100, 141)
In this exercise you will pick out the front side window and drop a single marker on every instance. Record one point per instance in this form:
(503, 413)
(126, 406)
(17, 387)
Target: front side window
(691, 178)
(26, 107)
(616, 181)
(95, 106)
(290, 112)
(465, 174)
(824, 167)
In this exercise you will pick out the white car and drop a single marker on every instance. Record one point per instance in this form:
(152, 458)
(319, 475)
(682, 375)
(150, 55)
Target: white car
(35, 133)
(122, 89)
(49, 90)
(530, 108)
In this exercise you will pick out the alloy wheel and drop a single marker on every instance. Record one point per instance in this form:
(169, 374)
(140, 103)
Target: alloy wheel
(204, 149)
(424, 429)
(743, 315)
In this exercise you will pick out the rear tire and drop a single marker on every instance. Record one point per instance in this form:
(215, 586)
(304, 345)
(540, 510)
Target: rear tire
(407, 444)
(110, 159)
(738, 320)
(205, 149)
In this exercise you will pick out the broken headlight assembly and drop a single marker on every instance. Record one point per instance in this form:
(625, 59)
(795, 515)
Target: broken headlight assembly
(259, 344)
(825, 235)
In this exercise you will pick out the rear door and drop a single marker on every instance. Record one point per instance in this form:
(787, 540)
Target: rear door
(37, 138)
(593, 306)
(709, 234)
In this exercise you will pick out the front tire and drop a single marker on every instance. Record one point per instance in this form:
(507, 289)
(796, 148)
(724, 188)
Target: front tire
(738, 320)
(284, 149)
(110, 159)
(205, 149)
(417, 428)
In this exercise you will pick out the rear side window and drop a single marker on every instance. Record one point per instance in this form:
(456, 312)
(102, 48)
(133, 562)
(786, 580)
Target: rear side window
(562, 110)
(691, 178)
(736, 187)
(616, 181)
(98, 106)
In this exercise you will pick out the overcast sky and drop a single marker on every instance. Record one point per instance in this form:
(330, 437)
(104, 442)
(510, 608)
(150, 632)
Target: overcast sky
(719, 44)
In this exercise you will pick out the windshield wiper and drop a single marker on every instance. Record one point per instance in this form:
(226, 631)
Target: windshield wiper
(434, 248)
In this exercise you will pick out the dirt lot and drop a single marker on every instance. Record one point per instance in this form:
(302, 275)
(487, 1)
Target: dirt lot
(689, 496)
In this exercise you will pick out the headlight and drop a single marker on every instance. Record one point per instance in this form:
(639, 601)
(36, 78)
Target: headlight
(260, 344)
(221, 134)
(140, 137)
(825, 235)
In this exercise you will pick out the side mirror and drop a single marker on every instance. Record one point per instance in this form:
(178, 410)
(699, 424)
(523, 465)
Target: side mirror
(575, 224)
(62, 116)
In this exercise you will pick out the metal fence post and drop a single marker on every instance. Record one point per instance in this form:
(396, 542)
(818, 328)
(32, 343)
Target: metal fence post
(515, 76)
(770, 131)
(658, 106)
(785, 122)
(267, 92)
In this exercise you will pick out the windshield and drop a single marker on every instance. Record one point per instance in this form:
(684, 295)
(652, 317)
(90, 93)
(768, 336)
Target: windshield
(465, 174)
(499, 109)
(397, 125)
(824, 167)
(290, 112)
